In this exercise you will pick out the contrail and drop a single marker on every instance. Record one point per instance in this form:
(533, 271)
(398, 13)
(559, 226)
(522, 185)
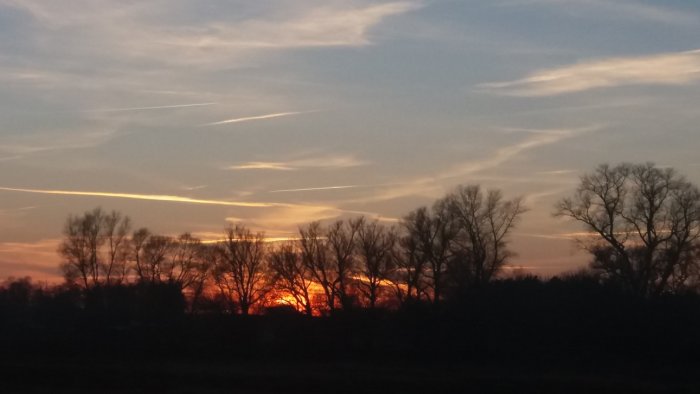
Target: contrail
(259, 117)
(150, 197)
(316, 188)
(335, 187)
(149, 108)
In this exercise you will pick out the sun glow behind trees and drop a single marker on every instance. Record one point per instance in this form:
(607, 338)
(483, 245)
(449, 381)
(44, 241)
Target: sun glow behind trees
(339, 266)
(642, 222)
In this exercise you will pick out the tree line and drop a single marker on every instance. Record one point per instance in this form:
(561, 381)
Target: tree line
(460, 241)
(641, 222)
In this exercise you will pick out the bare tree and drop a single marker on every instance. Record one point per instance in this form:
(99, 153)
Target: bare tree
(241, 271)
(644, 223)
(342, 237)
(138, 241)
(202, 280)
(82, 249)
(316, 258)
(291, 275)
(483, 223)
(408, 275)
(116, 231)
(375, 250)
(434, 232)
(184, 262)
(152, 254)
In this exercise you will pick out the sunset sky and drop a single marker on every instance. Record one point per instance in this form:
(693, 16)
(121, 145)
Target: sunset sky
(188, 115)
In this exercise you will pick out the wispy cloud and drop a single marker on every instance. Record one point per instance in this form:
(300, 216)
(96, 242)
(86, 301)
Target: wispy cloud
(37, 259)
(136, 32)
(665, 69)
(149, 197)
(261, 165)
(557, 172)
(257, 117)
(315, 189)
(193, 188)
(176, 106)
(536, 139)
(431, 185)
(339, 161)
(18, 147)
(16, 211)
(325, 26)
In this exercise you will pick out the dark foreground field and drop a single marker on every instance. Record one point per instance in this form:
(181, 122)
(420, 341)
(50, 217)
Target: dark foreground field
(71, 376)
(523, 336)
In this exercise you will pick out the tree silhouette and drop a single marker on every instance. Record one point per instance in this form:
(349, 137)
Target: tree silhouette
(240, 270)
(408, 275)
(291, 275)
(152, 254)
(342, 236)
(375, 249)
(483, 223)
(316, 258)
(644, 223)
(434, 232)
(116, 232)
(82, 249)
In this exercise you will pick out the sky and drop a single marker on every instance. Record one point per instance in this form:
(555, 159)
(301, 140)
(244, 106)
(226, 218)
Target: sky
(188, 116)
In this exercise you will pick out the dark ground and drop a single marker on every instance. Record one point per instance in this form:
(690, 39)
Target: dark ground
(523, 336)
(70, 376)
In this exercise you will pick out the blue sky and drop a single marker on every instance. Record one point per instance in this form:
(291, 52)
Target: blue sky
(190, 115)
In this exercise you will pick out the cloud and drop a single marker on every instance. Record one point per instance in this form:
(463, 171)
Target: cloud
(431, 185)
(557, 172)
(536, 139)
(315, 189)
(146, 31)
(177, 106)
(18, 147)
(665, 69)
(37, 259)
(324, 26)
(193, 188)
(149, 197)
(341, 161)
(253, 118)
(21, 211)
(261, 165)
(275, 214)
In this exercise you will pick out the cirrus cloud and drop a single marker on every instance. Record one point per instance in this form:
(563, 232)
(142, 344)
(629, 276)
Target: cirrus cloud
(665, 69)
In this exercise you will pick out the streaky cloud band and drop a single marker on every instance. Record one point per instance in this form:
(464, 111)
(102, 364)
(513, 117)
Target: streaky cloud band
(149, 197)
(258, 117)
(315, 189)
(176, 106)
(679, 68)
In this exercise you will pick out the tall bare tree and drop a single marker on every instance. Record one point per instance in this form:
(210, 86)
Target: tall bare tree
(315, 256)
(185, 265)
(291, 275)
(83, 249)
(483, 223)
(434, 232)
(408, 275)
(152, 255)
(342, 236)
(241, 270)
(116, 232)
(644, 223)
(375, 251)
